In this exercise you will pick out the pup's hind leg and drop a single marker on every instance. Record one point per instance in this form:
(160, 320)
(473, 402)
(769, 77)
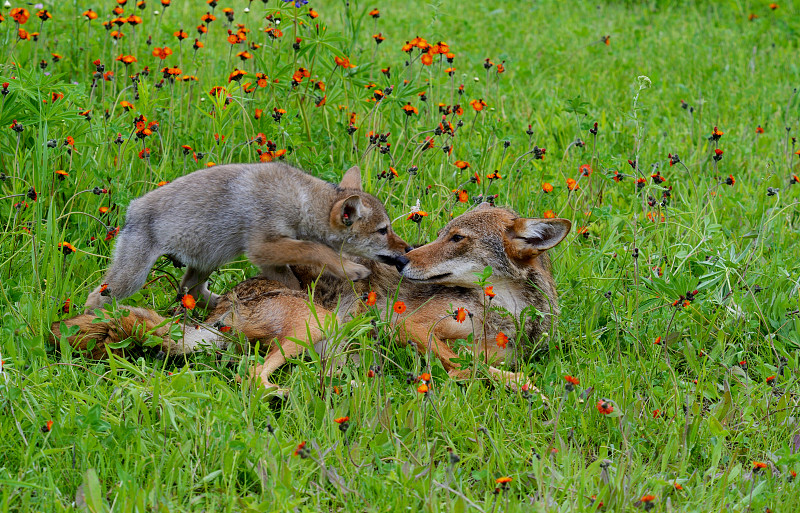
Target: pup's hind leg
(134, 255)
(195, 282)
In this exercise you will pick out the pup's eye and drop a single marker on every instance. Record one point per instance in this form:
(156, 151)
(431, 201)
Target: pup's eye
(383, 231)
(456, 238)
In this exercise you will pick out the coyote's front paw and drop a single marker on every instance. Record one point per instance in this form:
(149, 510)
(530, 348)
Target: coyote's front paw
(355, 272)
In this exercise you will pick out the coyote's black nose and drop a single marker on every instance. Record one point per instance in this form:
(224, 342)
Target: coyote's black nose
(400, 262)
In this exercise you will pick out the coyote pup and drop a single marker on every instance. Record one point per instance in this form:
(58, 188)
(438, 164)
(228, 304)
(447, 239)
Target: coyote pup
(272, 212)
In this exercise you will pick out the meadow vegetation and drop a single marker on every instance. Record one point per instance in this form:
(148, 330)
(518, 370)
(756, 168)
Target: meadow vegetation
(665, 131)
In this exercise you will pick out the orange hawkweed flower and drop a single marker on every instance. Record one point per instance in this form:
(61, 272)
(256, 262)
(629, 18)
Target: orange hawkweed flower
(89, 15)
(344, 62)
(549, 214)
(423, 389)
(572, 184)
(409, 109)
(759, 465)
(489, 291)
(460, 164)
(372, 298)
(478, 105)
(312, 13)
(427, 59)
(62, 174)
(48, 426)
(647, 498)
(585, 170)
(162, 53)
(375, 13)
(503, 480)
(180, 34)
(759, 130)
(188, 302)
(399, 307)
(547, 187)
(20, 15)
(463, 196)
(604, 406)
(460, 315)
(67, 248)
(341, 420)
(572, 379)
(502, 340)
(237, 75)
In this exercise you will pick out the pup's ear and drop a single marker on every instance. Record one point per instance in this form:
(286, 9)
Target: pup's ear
(351, 179)
(346, 211)
(531, 237)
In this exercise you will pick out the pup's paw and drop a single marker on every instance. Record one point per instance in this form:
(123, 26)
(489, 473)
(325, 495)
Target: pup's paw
(273, 390)
(355, 271)
(95, 300)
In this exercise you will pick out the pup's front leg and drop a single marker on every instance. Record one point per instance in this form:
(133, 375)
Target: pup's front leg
(303, 252)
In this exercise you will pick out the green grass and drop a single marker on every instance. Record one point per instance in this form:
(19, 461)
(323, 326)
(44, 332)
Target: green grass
(147, 434)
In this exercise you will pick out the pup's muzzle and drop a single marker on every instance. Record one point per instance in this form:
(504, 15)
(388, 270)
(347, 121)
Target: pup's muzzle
(399, 261)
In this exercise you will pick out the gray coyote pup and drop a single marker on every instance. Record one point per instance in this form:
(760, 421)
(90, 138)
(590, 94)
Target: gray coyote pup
(275, 214)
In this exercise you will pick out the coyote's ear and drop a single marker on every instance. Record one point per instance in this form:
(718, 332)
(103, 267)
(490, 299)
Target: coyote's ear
(346, 211)
(351, 179)
(531, 237)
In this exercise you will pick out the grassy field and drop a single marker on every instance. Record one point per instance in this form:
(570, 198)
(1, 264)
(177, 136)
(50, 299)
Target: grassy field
(704, 390)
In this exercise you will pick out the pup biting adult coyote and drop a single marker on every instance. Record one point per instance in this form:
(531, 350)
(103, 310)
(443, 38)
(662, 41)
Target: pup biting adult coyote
(272, 212)
(438, 278)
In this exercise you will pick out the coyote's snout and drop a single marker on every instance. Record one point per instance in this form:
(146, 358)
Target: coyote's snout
(486, 237)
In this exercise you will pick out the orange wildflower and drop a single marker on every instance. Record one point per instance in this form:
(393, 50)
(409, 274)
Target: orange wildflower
(460, 315)
(162, 53)
(604, 406)
(67, 248)
(343, 62)
(549, 214)
(399, 307)
(489, 291)
(478, 105)
(341, 420)
(372, 298)
(503, 480)
(409, 109)
(547, 187)
(460, 164)
(20, 15)
(502, 340)
(572, 184)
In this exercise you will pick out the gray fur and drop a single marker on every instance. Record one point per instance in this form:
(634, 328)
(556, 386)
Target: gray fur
(209, 217)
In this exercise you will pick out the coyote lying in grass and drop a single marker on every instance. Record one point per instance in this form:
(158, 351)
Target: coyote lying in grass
(438, 279)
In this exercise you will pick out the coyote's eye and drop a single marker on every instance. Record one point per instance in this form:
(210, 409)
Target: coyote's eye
(456, 238)
(383, 231)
